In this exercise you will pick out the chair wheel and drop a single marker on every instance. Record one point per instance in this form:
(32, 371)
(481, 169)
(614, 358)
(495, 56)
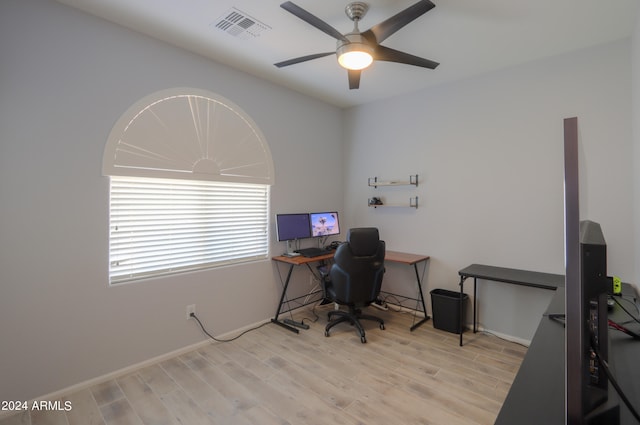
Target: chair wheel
(363, 339)
(382, 326)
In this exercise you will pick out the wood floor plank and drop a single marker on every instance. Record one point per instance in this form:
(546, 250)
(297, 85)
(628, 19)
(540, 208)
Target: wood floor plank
(198, 390)
(282, 403)
(20, 418)
(48, 417)
(469, 396)
(84, 409)
(239, 398)
(298, 379)
(147, 405)
(119, 412)
(185, 410)
(259, 415)
(246, 360)
(451, 402)
(369, 413)
(157, 379)
(133, 387)
(107, 392)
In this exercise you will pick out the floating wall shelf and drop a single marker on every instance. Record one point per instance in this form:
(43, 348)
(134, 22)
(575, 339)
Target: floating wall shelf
(413, 181)
(413, 203)
(376, 202)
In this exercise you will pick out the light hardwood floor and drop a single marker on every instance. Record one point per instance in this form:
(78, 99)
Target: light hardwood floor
(272, 376)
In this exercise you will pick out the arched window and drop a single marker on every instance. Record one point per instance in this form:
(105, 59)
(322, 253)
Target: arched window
(190, 174)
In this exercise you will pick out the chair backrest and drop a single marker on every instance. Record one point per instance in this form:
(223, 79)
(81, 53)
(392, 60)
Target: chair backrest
(356, 275)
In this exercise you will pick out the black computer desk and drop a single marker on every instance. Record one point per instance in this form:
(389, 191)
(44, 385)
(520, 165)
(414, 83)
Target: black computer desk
(537, 395)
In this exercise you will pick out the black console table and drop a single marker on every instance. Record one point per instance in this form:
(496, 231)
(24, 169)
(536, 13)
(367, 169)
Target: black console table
(538, 392)
(501, 274)
(537, 395)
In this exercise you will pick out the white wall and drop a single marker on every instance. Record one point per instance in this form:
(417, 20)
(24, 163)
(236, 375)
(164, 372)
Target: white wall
(635, 55)
(65, 78)
(489, 152)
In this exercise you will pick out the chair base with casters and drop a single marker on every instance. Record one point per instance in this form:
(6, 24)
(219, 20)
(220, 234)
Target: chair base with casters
(353, 316)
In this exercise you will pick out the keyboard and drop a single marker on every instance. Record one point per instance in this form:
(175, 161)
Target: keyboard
(311, 252)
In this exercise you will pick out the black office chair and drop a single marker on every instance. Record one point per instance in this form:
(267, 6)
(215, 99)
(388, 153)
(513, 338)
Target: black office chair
(355, 278)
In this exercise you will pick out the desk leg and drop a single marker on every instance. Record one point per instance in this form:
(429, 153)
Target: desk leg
(462, 279)
(475, 317)
(284, 293)
(424, 308)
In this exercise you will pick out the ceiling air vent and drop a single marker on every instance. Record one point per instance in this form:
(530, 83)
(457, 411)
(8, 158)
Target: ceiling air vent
(239, 24)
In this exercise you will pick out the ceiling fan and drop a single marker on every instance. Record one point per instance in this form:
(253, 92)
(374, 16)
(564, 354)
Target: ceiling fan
(357, 50)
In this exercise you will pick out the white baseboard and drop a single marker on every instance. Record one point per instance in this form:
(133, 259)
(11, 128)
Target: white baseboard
(500, 335)
(56, 395)
(469, 326)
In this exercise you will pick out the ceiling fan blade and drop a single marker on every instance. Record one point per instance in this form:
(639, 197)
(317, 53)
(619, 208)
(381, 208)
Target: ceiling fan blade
(354, 79)
(312, 20)
(382, 53)
(386, 28)
(303, 59)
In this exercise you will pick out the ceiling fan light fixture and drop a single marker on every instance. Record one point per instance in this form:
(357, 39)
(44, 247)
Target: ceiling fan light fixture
(354, 55)
(355, 60)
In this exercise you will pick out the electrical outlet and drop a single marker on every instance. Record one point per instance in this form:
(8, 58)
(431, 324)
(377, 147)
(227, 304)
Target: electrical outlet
(191, 308)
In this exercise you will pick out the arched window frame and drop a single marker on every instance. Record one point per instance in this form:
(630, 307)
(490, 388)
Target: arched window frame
(190, 174)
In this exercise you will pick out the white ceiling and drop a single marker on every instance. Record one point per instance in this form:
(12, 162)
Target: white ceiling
(467, 37)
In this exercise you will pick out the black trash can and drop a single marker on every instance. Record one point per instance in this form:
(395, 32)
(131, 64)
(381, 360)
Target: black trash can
(446, 309)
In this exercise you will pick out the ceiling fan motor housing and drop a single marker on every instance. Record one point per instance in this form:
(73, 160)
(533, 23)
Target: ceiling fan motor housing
(356, 10)
(356, 40)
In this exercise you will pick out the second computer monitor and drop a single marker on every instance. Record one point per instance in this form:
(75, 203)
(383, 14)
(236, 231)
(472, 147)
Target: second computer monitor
(324, 223)
(292, 226)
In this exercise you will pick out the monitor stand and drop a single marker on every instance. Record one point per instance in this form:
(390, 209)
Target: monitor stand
(291, 248)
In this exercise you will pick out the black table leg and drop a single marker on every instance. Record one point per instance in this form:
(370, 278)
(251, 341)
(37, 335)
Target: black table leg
(462, 279)
(424, 308)
(284, 293)
(475, 326)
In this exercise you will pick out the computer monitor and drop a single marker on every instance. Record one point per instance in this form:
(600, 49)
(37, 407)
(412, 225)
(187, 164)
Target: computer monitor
(324, 224)
(292, 226)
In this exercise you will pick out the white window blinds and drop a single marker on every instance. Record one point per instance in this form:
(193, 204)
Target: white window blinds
(163, 226)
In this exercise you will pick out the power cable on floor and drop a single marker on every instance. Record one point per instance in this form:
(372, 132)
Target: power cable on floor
(224, 340)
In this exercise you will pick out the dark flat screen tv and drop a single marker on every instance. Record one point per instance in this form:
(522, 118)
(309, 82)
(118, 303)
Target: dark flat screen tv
(586, 337)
